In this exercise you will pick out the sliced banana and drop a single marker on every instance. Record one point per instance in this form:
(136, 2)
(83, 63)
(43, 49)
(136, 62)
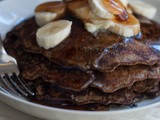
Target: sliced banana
(128, 28)
(73, 5)
(124, 28)
(95, 25)
(129, 10)
(49, 11)
(142, 8)
(124, 2)
(99, 9)
(107, 9)
(84, 12)
(52, 34)
(43, 18)
(81, 10)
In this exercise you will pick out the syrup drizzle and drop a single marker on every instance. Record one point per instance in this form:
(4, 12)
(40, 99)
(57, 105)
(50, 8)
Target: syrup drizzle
(117, 8)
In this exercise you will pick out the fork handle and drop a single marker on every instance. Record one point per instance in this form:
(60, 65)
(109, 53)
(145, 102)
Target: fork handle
(2, 50)
(1, 43)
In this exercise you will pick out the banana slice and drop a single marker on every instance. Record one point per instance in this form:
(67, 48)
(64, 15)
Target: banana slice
(43, 18)
(143, 8)
(49, 11)
(108, 8)
(52, 34)
(124, 2)
(129, 10)
(81, 10)
(99, 9)
(95, 25)
(128, 28)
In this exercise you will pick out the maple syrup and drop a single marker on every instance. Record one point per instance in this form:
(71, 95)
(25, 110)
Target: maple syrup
(117, 8)
(130, 21)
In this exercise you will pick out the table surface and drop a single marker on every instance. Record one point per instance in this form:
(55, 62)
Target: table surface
(9, 113)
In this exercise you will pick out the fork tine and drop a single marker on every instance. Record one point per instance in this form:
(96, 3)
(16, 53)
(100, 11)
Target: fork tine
(22, 82)
(2, 89)
(10, 75)
(7, 84)
(10, 79)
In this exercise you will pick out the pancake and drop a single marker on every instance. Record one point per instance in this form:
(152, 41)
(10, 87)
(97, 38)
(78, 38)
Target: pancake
(71, 79)
(125, 76)
(104, 51)
(150, 30)
(128, 96)
(87, 70)
(77, 80)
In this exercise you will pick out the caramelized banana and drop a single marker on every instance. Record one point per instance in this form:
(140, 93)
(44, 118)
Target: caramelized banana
(50, 11)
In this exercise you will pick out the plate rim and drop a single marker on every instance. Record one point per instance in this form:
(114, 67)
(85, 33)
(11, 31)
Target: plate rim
(23, 101)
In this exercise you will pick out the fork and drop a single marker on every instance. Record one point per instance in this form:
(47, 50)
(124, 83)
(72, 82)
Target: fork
(10, 81)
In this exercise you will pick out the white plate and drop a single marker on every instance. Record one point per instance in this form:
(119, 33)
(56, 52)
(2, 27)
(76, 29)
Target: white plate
(14, 11)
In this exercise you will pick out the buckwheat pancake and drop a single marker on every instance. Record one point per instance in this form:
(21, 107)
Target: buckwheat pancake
(88, 71)
(105, 50)
(128, 96)
(78, 80)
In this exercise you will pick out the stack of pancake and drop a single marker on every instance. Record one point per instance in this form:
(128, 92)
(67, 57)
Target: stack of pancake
(88, 71)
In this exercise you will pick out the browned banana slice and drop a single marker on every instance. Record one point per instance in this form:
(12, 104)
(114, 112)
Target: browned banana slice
(49, 11)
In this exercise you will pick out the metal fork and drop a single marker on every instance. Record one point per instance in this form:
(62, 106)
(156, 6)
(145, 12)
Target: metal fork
(10, 82)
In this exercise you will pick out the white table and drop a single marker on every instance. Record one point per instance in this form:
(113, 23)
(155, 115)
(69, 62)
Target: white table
(9, 113)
